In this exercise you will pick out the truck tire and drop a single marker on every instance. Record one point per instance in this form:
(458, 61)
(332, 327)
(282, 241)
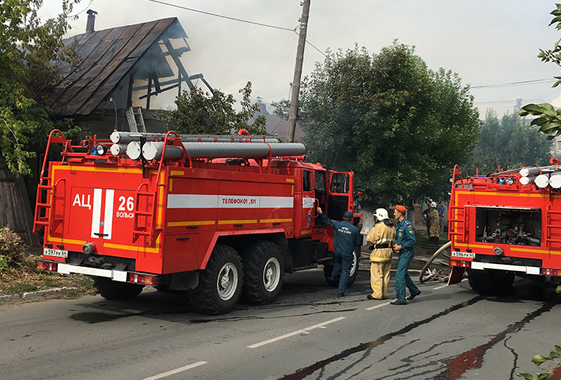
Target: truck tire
(263, 272)
(220, 284)
(354, 267)
(490, 281)
(116, 291)
(334, 281)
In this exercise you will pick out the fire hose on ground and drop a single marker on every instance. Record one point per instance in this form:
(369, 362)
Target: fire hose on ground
(434, 274)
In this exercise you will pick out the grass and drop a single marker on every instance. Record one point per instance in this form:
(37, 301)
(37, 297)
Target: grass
(26, 278)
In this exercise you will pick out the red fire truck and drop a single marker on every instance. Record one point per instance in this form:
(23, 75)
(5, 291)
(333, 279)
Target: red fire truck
(505, 224)
(222, 217)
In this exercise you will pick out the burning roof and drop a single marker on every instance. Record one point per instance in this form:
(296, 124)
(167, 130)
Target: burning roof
(135, 57)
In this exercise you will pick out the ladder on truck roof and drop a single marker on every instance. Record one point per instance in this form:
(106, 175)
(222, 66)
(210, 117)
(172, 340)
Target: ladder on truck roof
(136, 120)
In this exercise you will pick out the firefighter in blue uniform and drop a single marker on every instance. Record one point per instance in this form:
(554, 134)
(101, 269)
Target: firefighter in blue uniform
(404, 247)
(345, 238)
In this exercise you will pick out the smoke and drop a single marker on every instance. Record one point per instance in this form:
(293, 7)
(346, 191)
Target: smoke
(485, 42)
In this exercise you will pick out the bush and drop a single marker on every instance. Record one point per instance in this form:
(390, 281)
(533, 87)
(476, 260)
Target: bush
(12, 249)
(540, 359)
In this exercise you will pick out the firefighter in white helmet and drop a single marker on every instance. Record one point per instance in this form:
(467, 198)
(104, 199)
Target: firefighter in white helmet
(382, 237)
(434, 230)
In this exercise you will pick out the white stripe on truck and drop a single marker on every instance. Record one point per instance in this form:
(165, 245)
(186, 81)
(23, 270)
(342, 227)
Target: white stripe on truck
(512, 268)
(116, 275)
(227, 201)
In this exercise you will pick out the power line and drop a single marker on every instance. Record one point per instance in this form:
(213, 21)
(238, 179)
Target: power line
(521, 83)
(234, 19)
(221, 16)
(83, 10)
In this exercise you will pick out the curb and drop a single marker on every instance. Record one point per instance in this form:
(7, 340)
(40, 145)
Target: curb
(38, 293)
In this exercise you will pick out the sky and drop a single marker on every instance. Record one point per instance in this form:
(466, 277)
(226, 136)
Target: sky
(490, 44)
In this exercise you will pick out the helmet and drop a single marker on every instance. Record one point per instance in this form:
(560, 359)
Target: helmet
(381, 214)
(348, 215)
(433, 204)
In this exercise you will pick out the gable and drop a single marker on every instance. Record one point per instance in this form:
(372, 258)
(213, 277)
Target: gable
(108, 56)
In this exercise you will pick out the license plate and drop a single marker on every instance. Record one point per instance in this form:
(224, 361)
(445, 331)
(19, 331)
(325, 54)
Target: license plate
(467, 255)
(55, 252)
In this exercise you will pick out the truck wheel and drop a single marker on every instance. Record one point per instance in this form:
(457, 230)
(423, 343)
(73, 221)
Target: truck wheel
(116, 291)
(490, 281)
(328, 270)
(263, 272)
(354, 267)
(220, 284)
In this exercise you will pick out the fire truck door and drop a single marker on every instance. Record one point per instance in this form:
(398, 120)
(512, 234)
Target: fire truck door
(308, 203)
(339, 196)
(321, 195)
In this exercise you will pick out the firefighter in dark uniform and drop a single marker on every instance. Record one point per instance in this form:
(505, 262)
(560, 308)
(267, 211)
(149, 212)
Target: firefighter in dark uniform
(345, 238)
(404, 247)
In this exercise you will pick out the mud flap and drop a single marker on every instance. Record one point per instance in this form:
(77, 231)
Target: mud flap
(456, 275)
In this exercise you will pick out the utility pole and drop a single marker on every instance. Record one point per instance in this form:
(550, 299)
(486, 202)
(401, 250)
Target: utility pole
(293, 115)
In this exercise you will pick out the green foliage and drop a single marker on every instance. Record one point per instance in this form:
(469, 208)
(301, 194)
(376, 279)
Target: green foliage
(549, 119)
(554, 55)
(282, 108)
(539, 360)
(400, 126)
(12, 249)
(27, 74)
(509, 143)
(4, 262)
(203, 113)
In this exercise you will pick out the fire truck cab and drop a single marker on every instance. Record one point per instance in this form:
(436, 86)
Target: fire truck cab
(505, 224)
(221, 217)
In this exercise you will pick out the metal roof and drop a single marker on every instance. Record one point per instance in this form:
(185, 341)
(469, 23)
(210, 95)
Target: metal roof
(107, 56)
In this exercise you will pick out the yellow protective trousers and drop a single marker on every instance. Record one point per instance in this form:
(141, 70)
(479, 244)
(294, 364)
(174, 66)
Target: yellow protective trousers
(381, 258)
(380, 278)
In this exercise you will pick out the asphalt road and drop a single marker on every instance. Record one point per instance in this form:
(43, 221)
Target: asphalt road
(449, 332)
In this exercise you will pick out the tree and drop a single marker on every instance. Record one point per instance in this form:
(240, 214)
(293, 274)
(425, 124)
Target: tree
(203, 113)
(509, 143)
(28, 52)
(400, 126)
(27, 73)
(549, 119)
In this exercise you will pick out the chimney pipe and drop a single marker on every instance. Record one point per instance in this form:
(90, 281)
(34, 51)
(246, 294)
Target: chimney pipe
(91, 21)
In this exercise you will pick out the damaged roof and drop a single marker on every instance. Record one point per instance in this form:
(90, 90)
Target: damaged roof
(106, 57)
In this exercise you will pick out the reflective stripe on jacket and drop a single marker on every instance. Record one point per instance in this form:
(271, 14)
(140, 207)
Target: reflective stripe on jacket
(378, 235)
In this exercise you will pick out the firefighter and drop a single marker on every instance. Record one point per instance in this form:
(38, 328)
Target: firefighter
(404, 247)
(345, 238)
(382, 238)
(434, 231)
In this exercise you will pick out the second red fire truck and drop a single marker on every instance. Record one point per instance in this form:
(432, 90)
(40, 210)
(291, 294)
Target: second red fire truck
(506, 224)
(223, 217)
